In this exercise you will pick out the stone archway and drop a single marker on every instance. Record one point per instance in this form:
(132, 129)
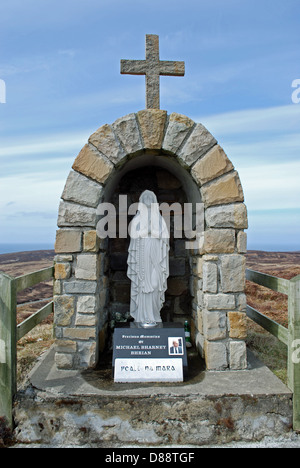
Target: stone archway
(189, 152)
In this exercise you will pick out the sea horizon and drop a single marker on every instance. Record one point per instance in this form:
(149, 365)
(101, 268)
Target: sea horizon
(24, 247)
(6, 248)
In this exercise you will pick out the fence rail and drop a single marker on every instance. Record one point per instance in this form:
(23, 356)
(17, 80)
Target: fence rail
(289, 336)
(11, 333)
(272, 282)
(268, 324)
(32, 321)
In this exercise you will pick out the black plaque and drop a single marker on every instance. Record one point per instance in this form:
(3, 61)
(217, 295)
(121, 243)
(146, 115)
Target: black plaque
(147, 354)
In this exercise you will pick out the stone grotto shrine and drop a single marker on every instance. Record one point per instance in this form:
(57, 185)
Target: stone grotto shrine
(182, 163)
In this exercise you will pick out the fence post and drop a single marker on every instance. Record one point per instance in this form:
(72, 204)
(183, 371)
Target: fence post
(8, 345)
(293, 348)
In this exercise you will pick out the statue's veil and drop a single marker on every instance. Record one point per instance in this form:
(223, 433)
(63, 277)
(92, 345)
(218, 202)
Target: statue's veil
(148, 221)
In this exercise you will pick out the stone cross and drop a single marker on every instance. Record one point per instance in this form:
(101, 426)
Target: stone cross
(152, 67)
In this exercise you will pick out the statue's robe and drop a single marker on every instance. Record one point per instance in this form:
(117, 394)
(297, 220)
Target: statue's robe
(148, 261)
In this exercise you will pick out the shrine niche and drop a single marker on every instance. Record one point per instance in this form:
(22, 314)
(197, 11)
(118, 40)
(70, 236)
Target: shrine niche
(181, 162)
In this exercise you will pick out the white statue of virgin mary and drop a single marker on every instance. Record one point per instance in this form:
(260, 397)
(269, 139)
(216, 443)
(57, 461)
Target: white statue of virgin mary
(148, 261)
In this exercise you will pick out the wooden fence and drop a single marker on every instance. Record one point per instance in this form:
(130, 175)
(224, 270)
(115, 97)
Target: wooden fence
(11, 333)
(289, 336)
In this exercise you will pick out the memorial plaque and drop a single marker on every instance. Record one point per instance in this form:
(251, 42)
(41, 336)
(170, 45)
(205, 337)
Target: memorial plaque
(156, 354)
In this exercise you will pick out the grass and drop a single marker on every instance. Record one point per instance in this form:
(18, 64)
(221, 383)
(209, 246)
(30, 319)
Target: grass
(268, 350)
(265, 346)
(31, 346)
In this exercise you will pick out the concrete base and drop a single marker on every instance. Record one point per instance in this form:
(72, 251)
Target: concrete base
(58, 407)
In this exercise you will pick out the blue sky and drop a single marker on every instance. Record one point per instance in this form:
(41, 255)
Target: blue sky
(60, 61)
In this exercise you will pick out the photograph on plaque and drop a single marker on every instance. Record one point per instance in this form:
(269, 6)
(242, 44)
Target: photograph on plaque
(175, 346)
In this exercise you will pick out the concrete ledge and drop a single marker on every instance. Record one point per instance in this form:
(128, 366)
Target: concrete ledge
(58, 406)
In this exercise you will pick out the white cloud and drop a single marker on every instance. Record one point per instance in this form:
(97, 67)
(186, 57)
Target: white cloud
(273, 186)
(49, 144)
(270, 150)
(29, 207)
(272, 119)
(67, 52)
(30, 193)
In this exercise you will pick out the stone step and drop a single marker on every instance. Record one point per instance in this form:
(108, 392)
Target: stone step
(81, 408)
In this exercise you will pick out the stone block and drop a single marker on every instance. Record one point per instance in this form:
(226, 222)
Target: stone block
(199, 343)
(210, 258)
(237, 355)
(199, 320)
(80, 189)
(87, 267)
(64, 309)
(226, 189)
(192, 285)
(92, 164)
(152, 125)
(63, 258)
(210, 277)
(64, 361)
(198, 267)
(87, 304)
(62, 271)
(198, 143)
(178, 128)
(200, 298)
(227, 216)
(80, 287)
(68, 241)
(219, 241)
(177, 266)
(56, 287)
(179, 248)
(241, 302)
(232, 273)
(85, 320)
(86, 354)
(211, 165)
(121, 293)
(242, 242)
(104, 139)
(127, 131)
(237, 325)
(65, 346)
(71, 214)
(214, 325)
(79, 333)
(178, 307)
(219, 301)
(177, 286)
(103, 298)
(215, 355)
(91, 241)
